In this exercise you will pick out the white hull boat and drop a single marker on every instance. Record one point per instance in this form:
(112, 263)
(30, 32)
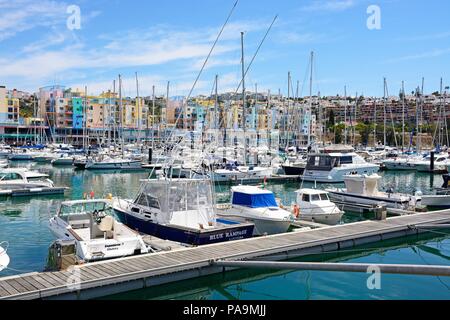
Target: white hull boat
(16, 178)
(241, 174)
(258, 206)
(113, 164)
(97, 235)
(333, 167)
(363, 189)
(315, 205)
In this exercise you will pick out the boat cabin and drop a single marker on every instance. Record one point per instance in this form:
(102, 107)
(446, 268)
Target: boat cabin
(326, 162)
(311, 196)
(22, 175)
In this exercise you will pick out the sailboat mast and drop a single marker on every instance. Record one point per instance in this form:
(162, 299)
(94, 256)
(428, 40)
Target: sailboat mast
(310, 99)
(384, 111)
(286, 123)
(114, 113)
(84, 118)
(121, 113)
(244, 120)
(345, 115)
(138, 106)
(216, 109)
(374, 122)
(153, 117)
(403, 116)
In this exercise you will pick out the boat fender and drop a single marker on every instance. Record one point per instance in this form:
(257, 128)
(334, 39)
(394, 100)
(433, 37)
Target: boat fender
(296, 210)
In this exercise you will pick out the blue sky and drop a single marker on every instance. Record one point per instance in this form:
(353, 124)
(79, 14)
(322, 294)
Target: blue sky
(169, 40)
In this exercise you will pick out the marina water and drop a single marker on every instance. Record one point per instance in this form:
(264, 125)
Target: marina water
(23, 223)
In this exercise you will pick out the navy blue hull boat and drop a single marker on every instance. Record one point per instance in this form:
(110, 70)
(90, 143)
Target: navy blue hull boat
(179, 210)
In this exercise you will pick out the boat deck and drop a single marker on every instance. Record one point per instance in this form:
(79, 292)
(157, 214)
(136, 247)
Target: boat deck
(137, 272)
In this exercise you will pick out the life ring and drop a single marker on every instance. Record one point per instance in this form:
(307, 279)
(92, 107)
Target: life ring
(296, 211)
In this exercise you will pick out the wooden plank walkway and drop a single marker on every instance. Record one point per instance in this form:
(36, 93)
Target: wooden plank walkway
(132, 273)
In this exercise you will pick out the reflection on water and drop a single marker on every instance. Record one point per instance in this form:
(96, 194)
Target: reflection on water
(23, 222)
(250, 284)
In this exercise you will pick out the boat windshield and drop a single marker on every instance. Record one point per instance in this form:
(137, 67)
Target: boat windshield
(10, 176)
(324, 197)
(315, 197)
(83, 208)
(172, 196)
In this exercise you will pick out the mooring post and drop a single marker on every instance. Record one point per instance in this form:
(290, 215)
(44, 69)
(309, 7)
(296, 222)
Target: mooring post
(432, 161)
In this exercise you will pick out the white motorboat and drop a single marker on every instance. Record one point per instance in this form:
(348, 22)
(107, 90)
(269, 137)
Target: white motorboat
(441, 198)
(403, 163)
(108, 163)
(441, 163)
(63, 160)
(241, 173)
(315, 205)
(97, 235)
(45, 157)
(363, 189)
(258, 206)
(333, 167)
(20, 178)
(4, 258)
(21, 155)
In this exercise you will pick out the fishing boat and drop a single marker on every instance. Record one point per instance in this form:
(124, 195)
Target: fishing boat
(363, 189)
(333, 167)
(20, 178)
(97, 235)
(315, 205)
(180, 210)
(258, 206)
(4, 258)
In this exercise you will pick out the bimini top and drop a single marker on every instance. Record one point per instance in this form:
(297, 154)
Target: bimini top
(253, 197)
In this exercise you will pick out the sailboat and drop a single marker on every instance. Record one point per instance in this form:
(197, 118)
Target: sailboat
(236, 172)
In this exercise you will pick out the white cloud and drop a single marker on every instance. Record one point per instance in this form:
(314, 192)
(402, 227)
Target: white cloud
(424, 55)
(22, 15)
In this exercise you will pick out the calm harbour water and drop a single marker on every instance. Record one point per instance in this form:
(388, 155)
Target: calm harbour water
(23, 223)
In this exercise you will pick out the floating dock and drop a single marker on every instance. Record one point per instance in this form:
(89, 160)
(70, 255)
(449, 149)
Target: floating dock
(29, 192)
(132, 273)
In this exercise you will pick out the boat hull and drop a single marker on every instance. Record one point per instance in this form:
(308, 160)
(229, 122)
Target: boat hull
(293, 171)
(361, 199)
(262, 226)
(132, 165)
(436, 201)
(337, 175)
(235, 231)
